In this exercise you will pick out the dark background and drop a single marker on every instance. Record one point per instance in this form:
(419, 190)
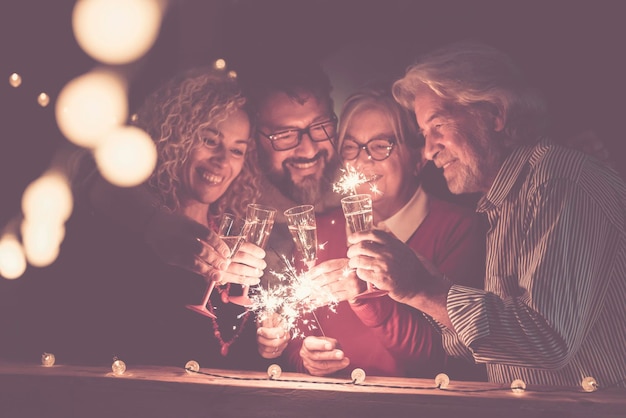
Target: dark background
(572, 50)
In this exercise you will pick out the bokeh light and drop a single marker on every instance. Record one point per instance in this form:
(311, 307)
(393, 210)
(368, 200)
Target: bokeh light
(589, 384)
(219, 64)
(126, 157)
(12, 257)
(43, 99)
(48, 197)
(91, 105)
(42, 241)
(116, 31)
(518, 386)
(47, 359)
(15, 80)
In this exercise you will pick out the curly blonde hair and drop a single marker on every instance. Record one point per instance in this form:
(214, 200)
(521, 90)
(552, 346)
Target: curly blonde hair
(173, 115)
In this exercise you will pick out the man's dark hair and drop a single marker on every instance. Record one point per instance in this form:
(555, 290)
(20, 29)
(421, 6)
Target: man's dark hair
(292, 77)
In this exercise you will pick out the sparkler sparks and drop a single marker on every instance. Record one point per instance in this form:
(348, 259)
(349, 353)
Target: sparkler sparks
(351, 179)
(295, 296)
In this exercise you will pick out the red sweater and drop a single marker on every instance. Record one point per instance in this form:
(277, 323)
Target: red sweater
(386, 338)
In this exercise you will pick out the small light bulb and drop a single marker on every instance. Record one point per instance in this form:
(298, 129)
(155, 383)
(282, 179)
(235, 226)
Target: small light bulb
(518, 386)
(232, 74)
(192, 366)
(47, 359)
(43, 99)
(220, 64)
(358, 375)
(274, 371)
(15, 80)
(118, 367)
(442, 381)
(589, 384)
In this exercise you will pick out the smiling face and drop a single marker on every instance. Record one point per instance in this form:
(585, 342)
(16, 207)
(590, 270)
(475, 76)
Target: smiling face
(301, 172)
(215, 162)
(397, 175)
(463, 143)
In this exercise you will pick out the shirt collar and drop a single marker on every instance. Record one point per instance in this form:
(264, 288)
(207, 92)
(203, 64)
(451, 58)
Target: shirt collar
(405, 222)
(509, 174)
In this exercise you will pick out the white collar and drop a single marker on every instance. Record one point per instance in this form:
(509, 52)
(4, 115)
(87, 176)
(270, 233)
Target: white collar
(405, 222)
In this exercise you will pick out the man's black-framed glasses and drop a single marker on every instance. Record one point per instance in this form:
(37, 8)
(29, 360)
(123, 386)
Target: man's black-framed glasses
(378, 149)
(291, 138)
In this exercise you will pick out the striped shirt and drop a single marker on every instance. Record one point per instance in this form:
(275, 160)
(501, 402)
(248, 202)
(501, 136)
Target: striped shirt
(554, 306)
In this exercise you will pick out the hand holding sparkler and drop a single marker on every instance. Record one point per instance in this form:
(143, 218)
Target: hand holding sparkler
(272, 336)
(321, 356)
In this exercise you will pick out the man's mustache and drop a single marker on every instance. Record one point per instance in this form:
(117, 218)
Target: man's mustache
(300, 160)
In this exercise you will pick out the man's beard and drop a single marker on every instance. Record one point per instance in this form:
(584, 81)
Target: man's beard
(310, 190)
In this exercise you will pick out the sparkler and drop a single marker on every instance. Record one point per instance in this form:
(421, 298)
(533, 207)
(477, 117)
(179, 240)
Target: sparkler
(295, 296)
(351, 179)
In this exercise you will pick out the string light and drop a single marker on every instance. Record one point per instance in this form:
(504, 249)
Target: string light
(358, 376)
(442, 381)
(274, 371)
(116, 31)
(43, 99)
(518, 386)
(42, 240)
(126, 157)
(192, 366)
(589, 384)
(47, 359)
(219, 64)
(15, 80)
(118, 367)
(12, 257)
(48, 197)
(90, 105)
(232, 74)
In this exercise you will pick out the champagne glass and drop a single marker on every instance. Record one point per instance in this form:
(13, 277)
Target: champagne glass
(303, 229)
(233, 235)
(261, 220)
(357, 210)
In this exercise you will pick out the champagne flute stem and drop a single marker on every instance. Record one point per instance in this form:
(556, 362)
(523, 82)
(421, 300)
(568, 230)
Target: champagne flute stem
(207, 294)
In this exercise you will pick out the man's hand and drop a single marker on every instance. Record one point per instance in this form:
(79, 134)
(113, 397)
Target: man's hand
(322, 357)
(389, 264)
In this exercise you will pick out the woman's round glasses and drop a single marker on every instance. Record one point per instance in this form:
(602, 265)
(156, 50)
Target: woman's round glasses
(377, 149)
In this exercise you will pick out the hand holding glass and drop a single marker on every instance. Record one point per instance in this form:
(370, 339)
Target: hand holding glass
(357, 210)
(260, 220)
(233, 234)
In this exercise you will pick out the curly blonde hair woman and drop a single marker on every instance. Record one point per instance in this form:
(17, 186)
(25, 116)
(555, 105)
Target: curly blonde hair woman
(188, 118)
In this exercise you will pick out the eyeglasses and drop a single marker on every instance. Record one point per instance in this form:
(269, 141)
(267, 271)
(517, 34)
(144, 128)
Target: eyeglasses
(291, 138)
(378, 149)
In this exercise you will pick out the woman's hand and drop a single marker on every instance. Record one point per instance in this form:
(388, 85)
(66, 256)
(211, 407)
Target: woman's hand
(246, 266)
(182, 242)
(272, 336)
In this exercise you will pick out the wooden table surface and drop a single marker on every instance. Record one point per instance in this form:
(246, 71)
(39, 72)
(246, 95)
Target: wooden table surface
(31, 390)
